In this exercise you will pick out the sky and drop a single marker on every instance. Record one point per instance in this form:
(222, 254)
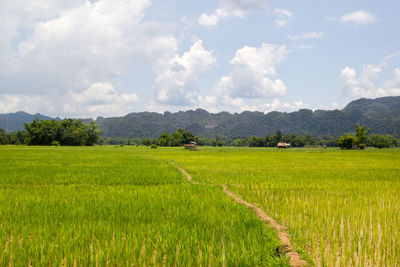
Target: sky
(89, 58)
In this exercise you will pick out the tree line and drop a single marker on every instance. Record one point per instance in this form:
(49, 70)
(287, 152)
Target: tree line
(72, 132)
(180, 137)
(67, 132)
(360, 140)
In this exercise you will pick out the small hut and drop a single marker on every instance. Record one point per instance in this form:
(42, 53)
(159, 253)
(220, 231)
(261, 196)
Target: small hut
(190, 146)
(283, 145)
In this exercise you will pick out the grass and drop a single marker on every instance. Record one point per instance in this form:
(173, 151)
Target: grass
(114, 206)
(341, 207)
(128, 205)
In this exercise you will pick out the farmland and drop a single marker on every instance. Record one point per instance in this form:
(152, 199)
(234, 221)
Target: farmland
(342, 208)
(125, 205)
(112, 206)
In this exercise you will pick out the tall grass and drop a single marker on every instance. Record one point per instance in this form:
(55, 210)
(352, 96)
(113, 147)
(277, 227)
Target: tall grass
(341, 207)
(111, 206)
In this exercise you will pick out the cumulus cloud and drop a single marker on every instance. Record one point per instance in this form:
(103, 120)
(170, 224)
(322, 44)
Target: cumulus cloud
(176, 77)
(24, 102)
(308, 35)
(364, 85)
(358, 18)
(282, 17)
(72, 45)
(101, 99)
(252, 69)
(231, 9)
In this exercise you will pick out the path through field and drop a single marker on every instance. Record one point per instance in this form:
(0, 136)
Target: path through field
(104, 206)
(284, 237)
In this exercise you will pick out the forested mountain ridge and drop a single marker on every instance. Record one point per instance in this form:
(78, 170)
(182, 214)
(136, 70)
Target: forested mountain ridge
(382, 115)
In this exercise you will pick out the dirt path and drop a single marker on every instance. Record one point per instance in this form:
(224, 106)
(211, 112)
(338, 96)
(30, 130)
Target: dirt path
(287, 247)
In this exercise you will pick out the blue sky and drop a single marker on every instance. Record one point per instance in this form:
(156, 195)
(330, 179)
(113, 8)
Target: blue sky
(84, 58)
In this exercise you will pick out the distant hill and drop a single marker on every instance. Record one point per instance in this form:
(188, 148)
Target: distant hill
(15, 121)
(382, 115)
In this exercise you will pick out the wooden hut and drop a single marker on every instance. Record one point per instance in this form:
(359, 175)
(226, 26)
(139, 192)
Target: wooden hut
(191, 146)
(283, 145)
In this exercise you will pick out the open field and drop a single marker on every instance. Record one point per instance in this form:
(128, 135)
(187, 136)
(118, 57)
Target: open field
(342, 208)
(122, 205)
(106, 205)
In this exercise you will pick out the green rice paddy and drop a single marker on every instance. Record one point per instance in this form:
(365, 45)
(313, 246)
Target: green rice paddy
(131, 206)
(112, 206)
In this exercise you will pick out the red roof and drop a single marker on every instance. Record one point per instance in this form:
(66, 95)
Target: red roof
(190, 145)
(283, 144)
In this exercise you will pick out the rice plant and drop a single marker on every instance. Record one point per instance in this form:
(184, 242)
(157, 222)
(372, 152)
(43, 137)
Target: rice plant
(101, 206)
(341, 207)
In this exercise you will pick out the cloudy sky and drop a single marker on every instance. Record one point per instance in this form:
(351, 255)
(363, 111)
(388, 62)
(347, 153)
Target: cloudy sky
(89, 58)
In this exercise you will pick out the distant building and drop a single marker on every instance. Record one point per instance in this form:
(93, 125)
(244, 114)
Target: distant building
(191, 146)
(283, 145)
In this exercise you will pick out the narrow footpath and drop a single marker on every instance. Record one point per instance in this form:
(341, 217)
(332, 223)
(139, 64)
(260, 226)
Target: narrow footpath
(295, 259)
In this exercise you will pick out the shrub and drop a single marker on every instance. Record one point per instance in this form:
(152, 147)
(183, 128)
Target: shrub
(153, 146)
(346, 141)
(55, 143)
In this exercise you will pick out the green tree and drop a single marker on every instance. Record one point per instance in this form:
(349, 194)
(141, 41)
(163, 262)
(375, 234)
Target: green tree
(217, 141)
(270, 140)
(67, 132)
(346, 141)
(177, 138)
(74, 137)
(18, 137)
(278, 137)
(361, 136)
(255, 141)
(4, 137)
(164, 139)
(239, 142)
(93, 133)
(146, 141)
(382, 141)
(41, 132)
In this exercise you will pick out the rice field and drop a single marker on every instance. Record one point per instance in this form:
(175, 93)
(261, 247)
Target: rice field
(106, 206)
(342, 208)
(131, 206)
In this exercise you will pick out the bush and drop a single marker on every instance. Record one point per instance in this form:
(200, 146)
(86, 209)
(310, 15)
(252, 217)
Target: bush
(382, 141)
(346, 141)
(55, 143)
(153, 146)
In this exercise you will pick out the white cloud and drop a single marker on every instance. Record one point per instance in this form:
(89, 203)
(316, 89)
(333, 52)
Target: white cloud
(231, 9)
(303, 47)
(241, 105)
(391, 56)
(176, 77)
(392, 86)
(71, 45)
(283, 17)
(364, 86)
(358, 18)
(285, 106)
(308, 35)
(251, 68)
(101, 99)
(28, 103)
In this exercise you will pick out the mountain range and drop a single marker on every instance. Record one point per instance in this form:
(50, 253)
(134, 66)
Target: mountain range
(382, 115)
